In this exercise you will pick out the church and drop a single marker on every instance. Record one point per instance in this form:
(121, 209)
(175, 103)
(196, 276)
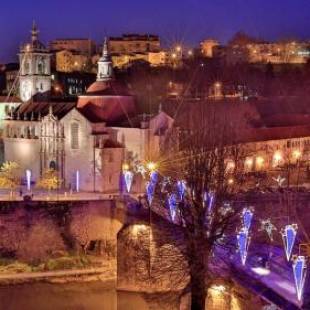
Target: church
(88, 141)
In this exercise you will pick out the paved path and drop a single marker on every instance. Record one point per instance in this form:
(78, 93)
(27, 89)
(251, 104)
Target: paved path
(52, 274)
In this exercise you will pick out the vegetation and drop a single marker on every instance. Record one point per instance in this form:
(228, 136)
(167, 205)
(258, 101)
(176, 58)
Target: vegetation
(50, 180)
(10, 175)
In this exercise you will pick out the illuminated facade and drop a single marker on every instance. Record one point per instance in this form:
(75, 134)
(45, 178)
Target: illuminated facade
(35, 68)
(92, 137)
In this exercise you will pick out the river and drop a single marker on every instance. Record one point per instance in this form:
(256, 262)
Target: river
(79, 296)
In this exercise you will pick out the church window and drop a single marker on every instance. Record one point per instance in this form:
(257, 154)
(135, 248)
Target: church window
(41, 67)
(27, 68)
(53, 165)
(41, 86)
(74, 135)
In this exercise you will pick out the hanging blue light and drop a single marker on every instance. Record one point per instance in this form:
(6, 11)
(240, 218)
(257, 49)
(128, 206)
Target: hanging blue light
(208, 200)
(128, 177)
(243, 244)
(289, 236)
(181, 185)
(247, 216)
(150, 188)
(300, 271)
(154, 177)
(172, 201)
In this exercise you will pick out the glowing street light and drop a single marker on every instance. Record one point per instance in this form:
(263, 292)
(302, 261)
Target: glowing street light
(296, 154)
(277, 158)
(178, 48)
(151, 166)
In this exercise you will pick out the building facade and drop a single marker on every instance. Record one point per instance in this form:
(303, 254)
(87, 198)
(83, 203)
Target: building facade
(88, 141)
(35, 68)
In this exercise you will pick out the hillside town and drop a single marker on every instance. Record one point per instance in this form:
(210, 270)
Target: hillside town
(165, 175)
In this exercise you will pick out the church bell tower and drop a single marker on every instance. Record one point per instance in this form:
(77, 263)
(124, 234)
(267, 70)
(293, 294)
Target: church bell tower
(105, 66)
(35, 68)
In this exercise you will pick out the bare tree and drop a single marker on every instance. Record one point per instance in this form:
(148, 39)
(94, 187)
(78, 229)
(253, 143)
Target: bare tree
(210, 162)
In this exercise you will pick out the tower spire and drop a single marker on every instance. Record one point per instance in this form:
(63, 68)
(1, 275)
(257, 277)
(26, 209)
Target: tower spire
(105, 66)
(105, 50)
(34, 32)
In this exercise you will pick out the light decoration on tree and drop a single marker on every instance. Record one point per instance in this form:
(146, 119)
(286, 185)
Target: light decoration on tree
(267, 226)
(247, 216)
(128, 177)
(208, 200)
(279, 180)
(77, 181)
(141, 169)
(289, 236)
(300, 271)
(150, 189)
(172, 202)
(165, 181)
(28, 179)
(181, 186)
(225, 209)
(243, 244)
(154, 177)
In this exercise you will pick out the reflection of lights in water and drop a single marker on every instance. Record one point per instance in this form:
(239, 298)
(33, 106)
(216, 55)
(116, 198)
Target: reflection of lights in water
(261, 271)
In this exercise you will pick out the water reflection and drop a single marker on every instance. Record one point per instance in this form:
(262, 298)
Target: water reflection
(78, 296)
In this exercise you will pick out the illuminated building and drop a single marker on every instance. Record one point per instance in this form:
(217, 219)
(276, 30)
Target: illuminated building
(207, 47)
(92, 136)
(35, 72)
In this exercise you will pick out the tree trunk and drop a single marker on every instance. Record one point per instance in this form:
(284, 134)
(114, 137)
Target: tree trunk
(198, 291)
(197, 276)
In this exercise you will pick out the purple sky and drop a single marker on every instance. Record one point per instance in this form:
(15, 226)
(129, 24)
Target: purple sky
(188, 21)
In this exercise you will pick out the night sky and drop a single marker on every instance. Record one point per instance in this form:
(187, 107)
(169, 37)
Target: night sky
(186, 21)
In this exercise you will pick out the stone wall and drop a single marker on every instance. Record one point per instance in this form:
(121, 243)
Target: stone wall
(35, 231)
(151, 259)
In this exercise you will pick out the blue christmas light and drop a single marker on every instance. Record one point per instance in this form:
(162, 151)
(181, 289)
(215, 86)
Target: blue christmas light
(181, 185)
(208, 200)
(289, 236)
(150, 189)
(128, 177)
(300, 270)
(243, 244)
(247, 216)
(154, 177)
(172, 201)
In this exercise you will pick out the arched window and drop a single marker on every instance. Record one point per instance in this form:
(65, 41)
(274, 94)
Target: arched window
(74, 135)
(41, 66)
(26, 67)
(53, 165)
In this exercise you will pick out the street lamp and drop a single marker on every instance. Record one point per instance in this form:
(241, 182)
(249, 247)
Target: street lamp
(151, 166)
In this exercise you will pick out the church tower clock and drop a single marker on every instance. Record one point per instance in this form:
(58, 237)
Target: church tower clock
(35, 68)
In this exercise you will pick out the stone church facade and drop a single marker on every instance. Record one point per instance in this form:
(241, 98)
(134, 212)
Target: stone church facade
(92, 137)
